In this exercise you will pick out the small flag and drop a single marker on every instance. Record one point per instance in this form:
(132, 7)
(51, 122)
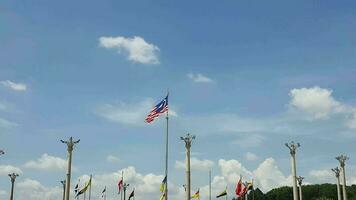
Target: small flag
(239, 188)
(163, 197)
(103, 192)
(163, 184)
(76, 188)
(224, 193)
(248, 187)
(159, 109)
(132, 194)
(120, 184)
(196, 195)
(82, 191)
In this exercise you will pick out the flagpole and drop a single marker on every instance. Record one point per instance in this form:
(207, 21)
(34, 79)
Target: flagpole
(105, 193)
(209, 184)
(90, 186)
(166, 171)
(122, 178)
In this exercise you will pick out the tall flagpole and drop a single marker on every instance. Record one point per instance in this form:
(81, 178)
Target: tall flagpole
(90, 186)
(210, 185)
(166, 171)
(122, 178)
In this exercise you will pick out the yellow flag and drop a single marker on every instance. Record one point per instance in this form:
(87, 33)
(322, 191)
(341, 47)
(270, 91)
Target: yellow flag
(196, 195)
(162, 197)
(82, 191)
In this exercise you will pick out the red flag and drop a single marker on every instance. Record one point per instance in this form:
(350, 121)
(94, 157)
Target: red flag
(244, 190)
(120, 185)
(238, 188)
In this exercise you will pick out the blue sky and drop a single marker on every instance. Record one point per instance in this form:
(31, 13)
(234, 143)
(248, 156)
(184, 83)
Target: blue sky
(244, 77)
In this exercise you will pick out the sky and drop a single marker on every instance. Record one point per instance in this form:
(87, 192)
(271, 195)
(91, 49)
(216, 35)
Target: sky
(244, 78)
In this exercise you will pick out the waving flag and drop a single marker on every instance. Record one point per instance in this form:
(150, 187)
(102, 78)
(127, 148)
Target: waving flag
(159, 109)
(196, 195)
(120, 184)
(82, 191)
(239, 188)
(76, 188)
(103, 193)
(132, 194)
(224, 193)
(163, 184)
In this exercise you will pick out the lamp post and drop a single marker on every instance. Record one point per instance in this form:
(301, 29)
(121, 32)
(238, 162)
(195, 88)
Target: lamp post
(70, 144)
(292, 148)
(12, 178)
(342, 159)
(300, 182)
(336, 170)
(64, 188)
(188, 143)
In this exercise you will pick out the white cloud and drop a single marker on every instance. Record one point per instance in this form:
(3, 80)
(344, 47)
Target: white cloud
(251, 156)
(112, 159)
(320, 104)
(146, 185)
(232, 169)
(9, 169)
(316, 101)
(29, 189)
(123, 113)
(322, 176)
(130, 114)
(14, 86)
(47, 162)
(199, 78)
(268, 175)
(195, 164)
(136, 48)
(7, 124)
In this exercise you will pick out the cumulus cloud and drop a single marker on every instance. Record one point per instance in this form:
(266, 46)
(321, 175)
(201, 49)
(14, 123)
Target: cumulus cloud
(316, 101)
(136, 48)
(112, 159)
(146, 185)
(14, 86)
(30, 189)
(128, 113)
(322, 176)
(268, 175)
(251, 156)
(9, 169)
(47, 162)
(320, 104)
(199, 78)
(195, 164)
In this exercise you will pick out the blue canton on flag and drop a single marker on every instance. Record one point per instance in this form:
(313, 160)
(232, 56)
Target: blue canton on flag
(159, 109)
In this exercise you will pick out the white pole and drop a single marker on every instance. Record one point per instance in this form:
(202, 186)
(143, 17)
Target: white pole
(342, 159)
(70, 145)
(188, 142)
(336, 170)
(210, 185)
(292, 147)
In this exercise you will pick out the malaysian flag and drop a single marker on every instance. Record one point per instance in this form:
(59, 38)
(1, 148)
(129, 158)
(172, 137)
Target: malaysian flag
(160, 108)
